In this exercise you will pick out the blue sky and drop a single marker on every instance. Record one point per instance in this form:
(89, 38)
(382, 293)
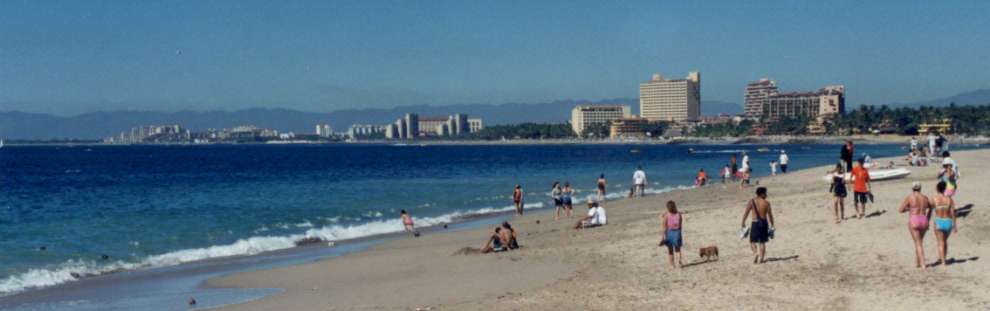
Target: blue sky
(69, 57)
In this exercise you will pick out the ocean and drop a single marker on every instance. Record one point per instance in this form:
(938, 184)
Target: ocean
(70, 212)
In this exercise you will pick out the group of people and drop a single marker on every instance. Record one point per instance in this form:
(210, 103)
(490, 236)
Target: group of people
(742, 171)
(920, 209)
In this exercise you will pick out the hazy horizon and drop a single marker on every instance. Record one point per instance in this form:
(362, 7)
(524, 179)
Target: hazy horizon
(68, 58)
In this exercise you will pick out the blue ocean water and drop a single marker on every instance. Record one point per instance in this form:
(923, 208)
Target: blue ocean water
(150, 206)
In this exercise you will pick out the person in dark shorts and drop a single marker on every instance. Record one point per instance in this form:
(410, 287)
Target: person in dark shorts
(566, 199)
(517, 199)
(861, 188)
(761, 227)
(839, 193)
(557, 195)
(846, 155)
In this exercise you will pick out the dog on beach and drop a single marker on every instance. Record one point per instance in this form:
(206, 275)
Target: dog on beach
(708, 252)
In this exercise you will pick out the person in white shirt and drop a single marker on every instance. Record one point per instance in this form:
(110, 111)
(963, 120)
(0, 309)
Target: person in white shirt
(639, 181)
(784, 159)
(596, 217)
(931, 144)
(914, 143)
(773, 167)
(745, 162)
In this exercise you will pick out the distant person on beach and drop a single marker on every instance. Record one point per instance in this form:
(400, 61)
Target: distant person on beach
(948, 176)
(839, 193)
(601, 188)
(761, 227)
(566, 197)
(931, 143)
(495, 242)
(511, 234)
(517, 199)
(671, 223)
(557, 195)
(918, 206)
(947, 160)
(914, 143)
(861, 188)
(846, 155)
(702, 178)
(784, 160)
(596, 217)
(773, 167)
(726, 173)
(407, 223)
(639, 181)
(945, 220)
(734, 165)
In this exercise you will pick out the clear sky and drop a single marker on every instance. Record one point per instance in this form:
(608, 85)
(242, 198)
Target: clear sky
(68, 57)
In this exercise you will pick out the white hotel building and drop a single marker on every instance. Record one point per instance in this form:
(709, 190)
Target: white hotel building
(676, 100)
(583, 116)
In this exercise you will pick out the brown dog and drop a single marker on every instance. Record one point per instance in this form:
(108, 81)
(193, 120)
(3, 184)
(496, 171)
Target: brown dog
(708, 252)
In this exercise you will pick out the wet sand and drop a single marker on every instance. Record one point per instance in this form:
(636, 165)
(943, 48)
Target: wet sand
(814, 264)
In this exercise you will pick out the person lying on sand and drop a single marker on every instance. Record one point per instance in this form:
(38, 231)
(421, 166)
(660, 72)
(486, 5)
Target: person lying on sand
(494, 243)
(596, 217)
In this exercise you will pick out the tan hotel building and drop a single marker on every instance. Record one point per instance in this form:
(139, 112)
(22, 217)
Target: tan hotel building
(676, 100)
(583, 116)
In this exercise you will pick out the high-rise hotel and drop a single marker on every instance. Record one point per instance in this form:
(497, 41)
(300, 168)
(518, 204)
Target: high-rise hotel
(676, 100)
(757, 94)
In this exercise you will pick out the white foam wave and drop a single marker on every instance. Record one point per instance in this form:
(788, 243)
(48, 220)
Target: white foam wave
(73, 269)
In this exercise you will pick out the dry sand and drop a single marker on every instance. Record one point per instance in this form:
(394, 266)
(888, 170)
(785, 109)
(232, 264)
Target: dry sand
(814, 263)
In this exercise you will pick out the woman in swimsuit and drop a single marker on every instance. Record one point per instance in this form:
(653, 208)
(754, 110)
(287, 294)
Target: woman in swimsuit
(671, 223)
(945, 219)
(839, 193)
(948, 176)
(558, 202)
(407, 222)
(601, 189)
(918, 207)
(566, 198)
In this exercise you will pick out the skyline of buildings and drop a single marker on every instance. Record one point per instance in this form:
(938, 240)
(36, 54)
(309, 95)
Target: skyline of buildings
(675, 100)
(756, 95)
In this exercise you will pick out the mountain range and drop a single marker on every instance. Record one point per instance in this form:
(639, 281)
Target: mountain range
(95, 125)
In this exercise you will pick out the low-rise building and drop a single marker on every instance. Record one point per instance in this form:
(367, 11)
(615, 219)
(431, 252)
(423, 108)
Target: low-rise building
(587, 115)
(632, 127)
(825, 103)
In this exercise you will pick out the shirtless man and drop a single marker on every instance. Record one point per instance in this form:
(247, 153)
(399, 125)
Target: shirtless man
(761, 230)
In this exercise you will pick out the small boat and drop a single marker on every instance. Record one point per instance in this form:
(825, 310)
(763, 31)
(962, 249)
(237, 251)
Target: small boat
(763, 149)
(878, 175)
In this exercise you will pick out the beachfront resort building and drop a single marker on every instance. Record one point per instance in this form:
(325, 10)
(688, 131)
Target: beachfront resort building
(676, 100)
(324, 130)
(475, 125)
(412, 126)
(587, 115)
(757, 94)
(629, 127)
(819, 105)
(357, 131)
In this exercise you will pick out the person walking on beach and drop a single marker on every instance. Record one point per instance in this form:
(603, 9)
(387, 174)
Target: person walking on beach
(784, 160)
(839, 193)
(918, 207)
(861, 188)
(846, 155)
(762, 225)
(671, 223)
(407, 223)
(639, 181)
(566, 197)
(557, 195)
(945, 220)
(773, 167)
(601, 189)
(517, 199)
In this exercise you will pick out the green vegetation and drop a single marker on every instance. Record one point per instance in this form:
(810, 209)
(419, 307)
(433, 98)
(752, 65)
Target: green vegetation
(526, 131)
(968, 120)
(723, 130)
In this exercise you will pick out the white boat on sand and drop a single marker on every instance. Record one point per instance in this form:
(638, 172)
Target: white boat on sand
(878, 175)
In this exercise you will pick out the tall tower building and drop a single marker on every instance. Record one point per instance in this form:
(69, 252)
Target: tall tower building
(676, 100)
(757, 94)
(411, 126)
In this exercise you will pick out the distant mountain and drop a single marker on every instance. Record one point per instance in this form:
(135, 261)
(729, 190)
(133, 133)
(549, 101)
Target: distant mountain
(22, 125)
(977, 97)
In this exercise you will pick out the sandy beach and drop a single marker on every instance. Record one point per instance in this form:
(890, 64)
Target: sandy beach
(814, 264)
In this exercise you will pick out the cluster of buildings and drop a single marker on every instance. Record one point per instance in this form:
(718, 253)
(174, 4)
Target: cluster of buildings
(175, 134)
(411, 126)
(678, 101)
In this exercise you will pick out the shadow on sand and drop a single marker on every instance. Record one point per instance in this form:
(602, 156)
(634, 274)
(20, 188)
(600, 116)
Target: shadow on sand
(954, 261)
(696, 263)
(876, 213)
(964, 211)
(772, 259)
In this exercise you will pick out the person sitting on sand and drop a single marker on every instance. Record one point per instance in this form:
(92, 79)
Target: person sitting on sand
(511, 233)
(762, 226)
(702, 179)
(596, 217)
(945, 219)
(494, 243)
(919, 208)
(517, 199)
(407, 222)
(671, 223)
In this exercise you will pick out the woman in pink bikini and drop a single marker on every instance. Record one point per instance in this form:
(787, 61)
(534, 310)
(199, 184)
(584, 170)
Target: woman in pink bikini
(919, 207)
(671, 223)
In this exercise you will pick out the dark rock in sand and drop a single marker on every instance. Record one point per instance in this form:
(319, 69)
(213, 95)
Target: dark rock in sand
(308, 241)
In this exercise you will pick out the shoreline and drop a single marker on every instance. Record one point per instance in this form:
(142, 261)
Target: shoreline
(866, 264)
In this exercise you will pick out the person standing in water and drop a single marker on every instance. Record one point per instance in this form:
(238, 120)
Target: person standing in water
(918, 206)
(671, 223)
(517, 199)
(557, 195)
(734, 165)
(839, 193)
(762, 225)
(784, 160)
(407, 223)
(773, 167)
(601, 188)
(566, 197)
(726, 173)
(945, 220)
(639, 181)
(702, 179)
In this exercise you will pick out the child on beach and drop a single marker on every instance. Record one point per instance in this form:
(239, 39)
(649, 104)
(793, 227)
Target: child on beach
(726, 173)
(671, 223)
(839, 193)
(701, 180)
(511, 234)
(773, 167)
(407, 223)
